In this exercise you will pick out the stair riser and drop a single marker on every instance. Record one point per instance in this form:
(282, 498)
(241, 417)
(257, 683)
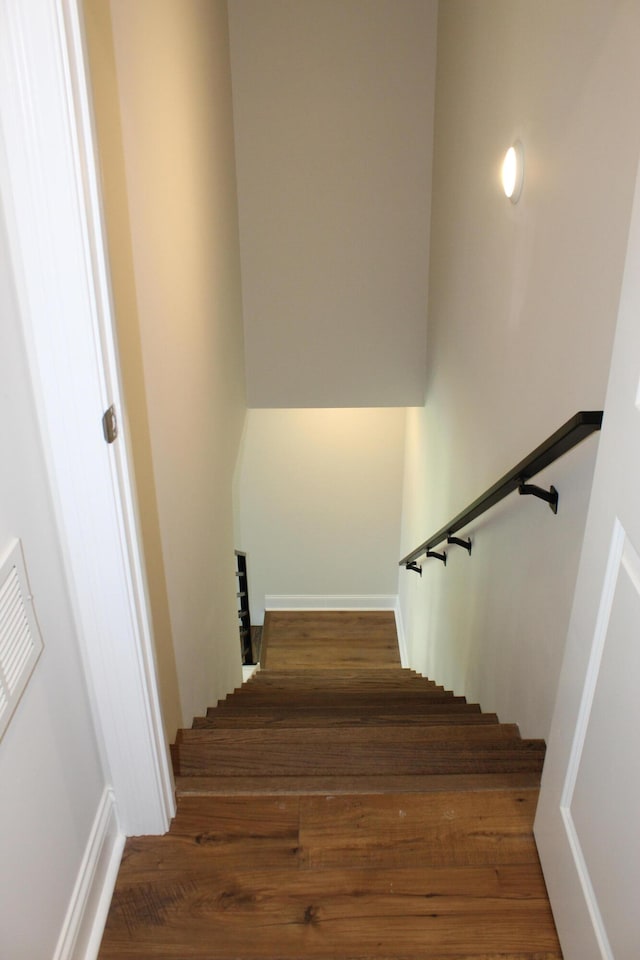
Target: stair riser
(407, 737)
(269, 760)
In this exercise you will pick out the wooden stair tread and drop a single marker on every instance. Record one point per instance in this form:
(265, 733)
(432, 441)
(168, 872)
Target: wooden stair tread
(284, 709)
(268, 720)
(361, 675)
(394, 675)
(419, 688)
(338, 785)
(330, 700)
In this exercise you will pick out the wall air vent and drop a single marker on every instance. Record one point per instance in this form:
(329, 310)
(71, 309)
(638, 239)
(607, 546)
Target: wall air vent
(20, 640)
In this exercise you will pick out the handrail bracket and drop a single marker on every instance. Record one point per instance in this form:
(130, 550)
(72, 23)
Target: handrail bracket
(437, 556)
(459, 542)
(415, 567)
(550, 496)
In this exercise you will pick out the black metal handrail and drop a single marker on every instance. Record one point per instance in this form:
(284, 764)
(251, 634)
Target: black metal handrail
(571, 433)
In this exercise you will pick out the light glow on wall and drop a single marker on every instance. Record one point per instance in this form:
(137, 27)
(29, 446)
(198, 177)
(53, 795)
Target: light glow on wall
(512, 174)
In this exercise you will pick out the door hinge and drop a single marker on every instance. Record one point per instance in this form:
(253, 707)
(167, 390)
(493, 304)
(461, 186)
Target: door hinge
(110, 424)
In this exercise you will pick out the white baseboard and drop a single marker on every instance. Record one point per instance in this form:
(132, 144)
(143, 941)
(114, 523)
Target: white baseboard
(248, 671)
(87, 913)
(402, 639)
(372, 601)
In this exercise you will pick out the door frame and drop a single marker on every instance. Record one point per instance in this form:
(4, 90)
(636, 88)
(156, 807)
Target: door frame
(50, 190)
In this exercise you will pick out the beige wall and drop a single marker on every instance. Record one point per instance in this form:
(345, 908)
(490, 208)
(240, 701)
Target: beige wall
(333, 103)
(521, 315)
(161, 78)
(319, 497)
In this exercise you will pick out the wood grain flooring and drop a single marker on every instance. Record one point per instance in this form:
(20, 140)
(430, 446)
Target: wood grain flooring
(326, 811)
(329, 640)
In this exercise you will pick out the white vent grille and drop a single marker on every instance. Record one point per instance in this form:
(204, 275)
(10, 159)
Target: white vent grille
(20, 640)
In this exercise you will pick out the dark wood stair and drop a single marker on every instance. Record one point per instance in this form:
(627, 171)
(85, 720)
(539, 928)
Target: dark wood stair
(332, 812)
(385, 726)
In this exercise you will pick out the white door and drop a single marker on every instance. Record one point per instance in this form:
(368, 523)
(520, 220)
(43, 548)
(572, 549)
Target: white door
(49, 192)
(588, 822)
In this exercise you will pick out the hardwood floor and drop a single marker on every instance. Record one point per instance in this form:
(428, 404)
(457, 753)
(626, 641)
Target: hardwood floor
(326, 811)
(329, 640)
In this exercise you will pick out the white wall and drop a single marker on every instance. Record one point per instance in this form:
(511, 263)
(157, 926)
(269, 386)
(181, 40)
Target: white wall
(51, 776)
(333, 103)
(521, 315)
(162, 92)
(318, 502)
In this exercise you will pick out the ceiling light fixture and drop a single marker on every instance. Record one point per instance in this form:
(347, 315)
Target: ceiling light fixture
(512, 174)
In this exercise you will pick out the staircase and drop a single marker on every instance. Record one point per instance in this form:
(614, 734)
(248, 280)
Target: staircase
(342, 732)
(335, 812)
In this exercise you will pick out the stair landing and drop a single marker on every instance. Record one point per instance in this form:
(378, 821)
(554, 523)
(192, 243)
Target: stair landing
(329, 640)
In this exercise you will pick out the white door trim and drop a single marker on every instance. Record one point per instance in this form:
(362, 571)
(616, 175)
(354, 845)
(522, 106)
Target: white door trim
(51, 197)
